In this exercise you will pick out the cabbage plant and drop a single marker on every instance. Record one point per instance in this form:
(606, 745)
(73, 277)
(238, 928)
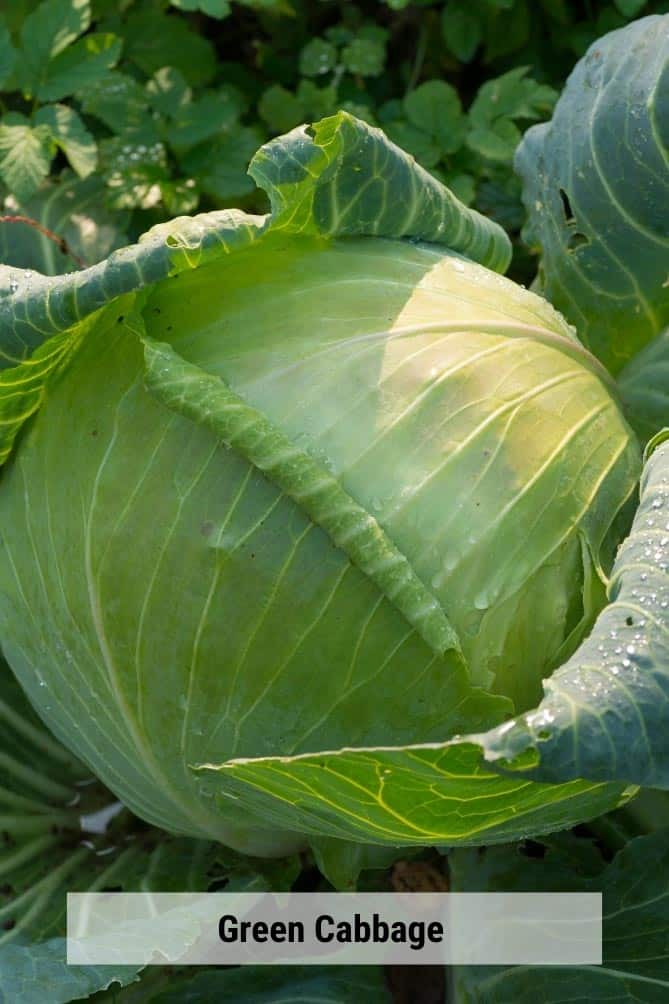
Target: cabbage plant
(298, 511)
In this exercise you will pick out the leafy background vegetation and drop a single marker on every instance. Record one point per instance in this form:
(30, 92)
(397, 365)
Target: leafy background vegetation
(141, 110)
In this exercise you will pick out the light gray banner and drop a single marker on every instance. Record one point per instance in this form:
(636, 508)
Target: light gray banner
(334, 928)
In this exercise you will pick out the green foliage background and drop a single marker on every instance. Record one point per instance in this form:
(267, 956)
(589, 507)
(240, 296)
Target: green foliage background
(157, 106)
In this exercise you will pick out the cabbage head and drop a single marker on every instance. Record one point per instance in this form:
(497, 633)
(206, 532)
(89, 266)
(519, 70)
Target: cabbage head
(296, 483)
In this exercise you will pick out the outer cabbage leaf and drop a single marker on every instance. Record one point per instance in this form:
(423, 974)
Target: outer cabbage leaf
(596, 190)
(635, 921)
(644, 388)
(46, 798)
(62, 832)
(605, 711)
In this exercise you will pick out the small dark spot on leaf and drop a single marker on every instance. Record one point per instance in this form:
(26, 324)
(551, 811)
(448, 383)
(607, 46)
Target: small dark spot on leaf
(94, 432)
(253, 554)
(156, 310)
(9, 925)
(120, 319)
(6, 889)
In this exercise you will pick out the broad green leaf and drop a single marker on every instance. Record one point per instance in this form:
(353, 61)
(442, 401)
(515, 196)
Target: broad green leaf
(79, 65)
(644, 387)
(341, 861)
(364, 56)
(463, 187)
(35, 973)
(221, 167)
(168, 91)
(461, 28)
(605, 710)
(317, 57)
(73, 211)
(26, 153)
(318, 102)
(280, 108)
(62, 832)
(439, 794)
(119, 101)
(7, 53)
(512, 96)
(596, 190)
(435, 108)
(497, 143)
(154, 40)
(415, 141)
(47, 31)
(334, 164)
(635, 922)
(507, 28)
(71, 136)
(203, 119)
(500, 200)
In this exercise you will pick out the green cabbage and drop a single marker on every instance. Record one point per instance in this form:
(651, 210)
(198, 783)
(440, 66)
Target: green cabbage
(169, 601)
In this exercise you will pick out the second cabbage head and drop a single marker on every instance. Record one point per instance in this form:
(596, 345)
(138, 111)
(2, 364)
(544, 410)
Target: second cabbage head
(314, 490)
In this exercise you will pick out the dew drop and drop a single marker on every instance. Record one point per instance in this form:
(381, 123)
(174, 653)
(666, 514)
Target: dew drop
(482, 601)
